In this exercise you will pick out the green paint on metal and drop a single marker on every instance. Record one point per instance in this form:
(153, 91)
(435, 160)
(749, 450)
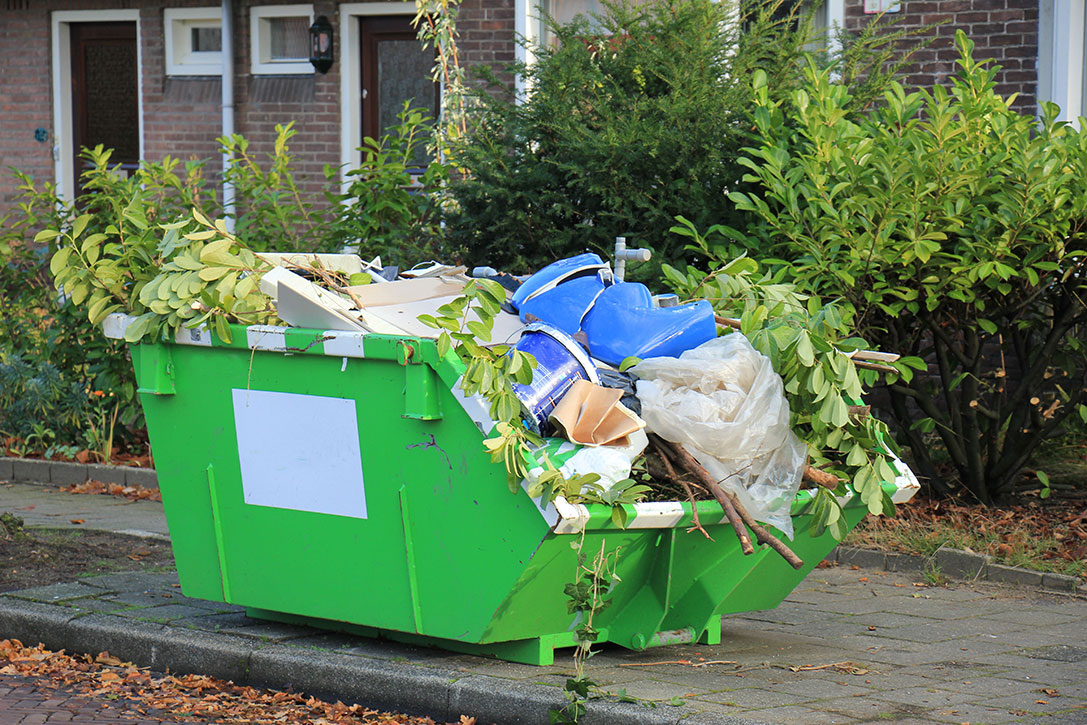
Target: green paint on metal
(216, 518)
(673, 636)
(446, 555)
(409, 551)
(156, 370)
(421, 393)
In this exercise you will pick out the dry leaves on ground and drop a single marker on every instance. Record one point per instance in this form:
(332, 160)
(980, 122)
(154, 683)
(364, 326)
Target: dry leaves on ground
(1054, 530)
(132, 493)
(190, 698)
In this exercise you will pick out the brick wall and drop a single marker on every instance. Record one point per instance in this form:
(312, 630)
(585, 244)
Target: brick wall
(25, 98)
(181, 115)
(1003, 30)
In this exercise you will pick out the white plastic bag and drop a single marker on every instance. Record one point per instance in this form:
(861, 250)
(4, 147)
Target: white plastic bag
(726, 405)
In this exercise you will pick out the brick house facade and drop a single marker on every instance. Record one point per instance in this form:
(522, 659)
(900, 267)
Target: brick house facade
(177, 85)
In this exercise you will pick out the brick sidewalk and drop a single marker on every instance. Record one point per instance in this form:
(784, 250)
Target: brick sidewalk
(34, 701)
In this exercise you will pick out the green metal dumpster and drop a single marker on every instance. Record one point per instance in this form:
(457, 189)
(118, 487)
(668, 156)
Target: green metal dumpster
(339, 479)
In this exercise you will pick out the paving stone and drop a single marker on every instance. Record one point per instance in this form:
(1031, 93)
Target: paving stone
(798, 714)
(924, 697)
(1060, 582)
(848, 556)
(63, 473)
(1026, 702)
(89, 604)
(56, 592)
(134, 581)
(165, 613)
(756, 698)
(1058, 653)
(977, 688)
(1032, 617)
(961, 564)
(820, 689)
(270, 631)
(1014, 575)
(106, 474)
(144, 477)
(214, 622)
(142, 599)
(26, 469)
(653, 690)
(892, 619)
(905, 563)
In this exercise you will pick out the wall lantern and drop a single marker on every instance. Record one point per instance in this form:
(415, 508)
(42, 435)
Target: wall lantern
(321, 47)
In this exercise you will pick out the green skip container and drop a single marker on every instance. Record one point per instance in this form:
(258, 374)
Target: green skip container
(339, 479)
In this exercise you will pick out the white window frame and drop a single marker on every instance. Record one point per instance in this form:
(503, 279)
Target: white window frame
(350, 60)
(259, 42)
(60, 21)
(181, 59)
(1062, 61)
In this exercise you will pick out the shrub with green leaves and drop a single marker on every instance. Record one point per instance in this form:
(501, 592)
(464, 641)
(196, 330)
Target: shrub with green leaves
(392, 206)
(636, 116)
(951, 228)
(43, 333)
(809, 345)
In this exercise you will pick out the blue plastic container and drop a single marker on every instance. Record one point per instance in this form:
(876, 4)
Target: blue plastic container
(559, 362)
(624, 323)
(549, 277)
(565, 305)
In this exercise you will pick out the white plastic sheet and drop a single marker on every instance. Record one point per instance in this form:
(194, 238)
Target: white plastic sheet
(725, 404)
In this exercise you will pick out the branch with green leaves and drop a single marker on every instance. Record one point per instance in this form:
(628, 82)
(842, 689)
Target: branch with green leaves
(808, 343)
(171, 276)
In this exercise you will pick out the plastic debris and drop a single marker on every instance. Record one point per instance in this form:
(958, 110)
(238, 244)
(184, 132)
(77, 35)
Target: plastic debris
(725, 404)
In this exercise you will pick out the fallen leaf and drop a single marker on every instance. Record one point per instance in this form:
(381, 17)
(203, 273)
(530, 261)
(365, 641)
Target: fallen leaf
(76, 521)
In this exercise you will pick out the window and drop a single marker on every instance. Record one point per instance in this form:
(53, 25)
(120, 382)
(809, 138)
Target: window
(280, 38)
(1062, 60)
(563, 11)
(194, 41)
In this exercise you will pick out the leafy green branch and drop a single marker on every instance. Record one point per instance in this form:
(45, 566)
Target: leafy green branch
(808, 344)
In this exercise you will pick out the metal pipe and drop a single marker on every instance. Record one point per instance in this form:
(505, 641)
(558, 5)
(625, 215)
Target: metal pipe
(227, 52)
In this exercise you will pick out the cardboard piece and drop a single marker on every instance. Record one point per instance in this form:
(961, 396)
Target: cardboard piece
(302, 303)
(593, 416)
(407, 290)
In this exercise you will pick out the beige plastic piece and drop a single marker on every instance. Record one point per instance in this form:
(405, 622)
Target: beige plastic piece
(593, 416)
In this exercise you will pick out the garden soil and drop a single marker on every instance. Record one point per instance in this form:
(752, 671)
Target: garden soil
(39, 557)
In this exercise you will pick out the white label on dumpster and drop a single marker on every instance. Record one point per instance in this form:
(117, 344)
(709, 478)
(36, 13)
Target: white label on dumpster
(300, 452)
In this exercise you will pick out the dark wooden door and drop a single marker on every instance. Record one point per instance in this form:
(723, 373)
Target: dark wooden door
(105, 106)
(395, 69)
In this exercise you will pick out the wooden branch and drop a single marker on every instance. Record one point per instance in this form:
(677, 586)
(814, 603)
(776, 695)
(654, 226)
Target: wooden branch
(821, 478)
(684, 460)
(687, 461)
(670, 472)
(765, 537)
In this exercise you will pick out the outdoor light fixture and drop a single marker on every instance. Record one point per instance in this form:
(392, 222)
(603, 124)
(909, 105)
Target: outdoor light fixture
(320, 42)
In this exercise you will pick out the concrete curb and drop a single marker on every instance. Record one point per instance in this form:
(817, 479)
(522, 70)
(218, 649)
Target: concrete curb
(65, 473)
(441, 693)
(958, 564)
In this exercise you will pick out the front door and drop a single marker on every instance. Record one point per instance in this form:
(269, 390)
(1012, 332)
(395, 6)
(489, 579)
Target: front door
(105, 107)
(395, 68)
